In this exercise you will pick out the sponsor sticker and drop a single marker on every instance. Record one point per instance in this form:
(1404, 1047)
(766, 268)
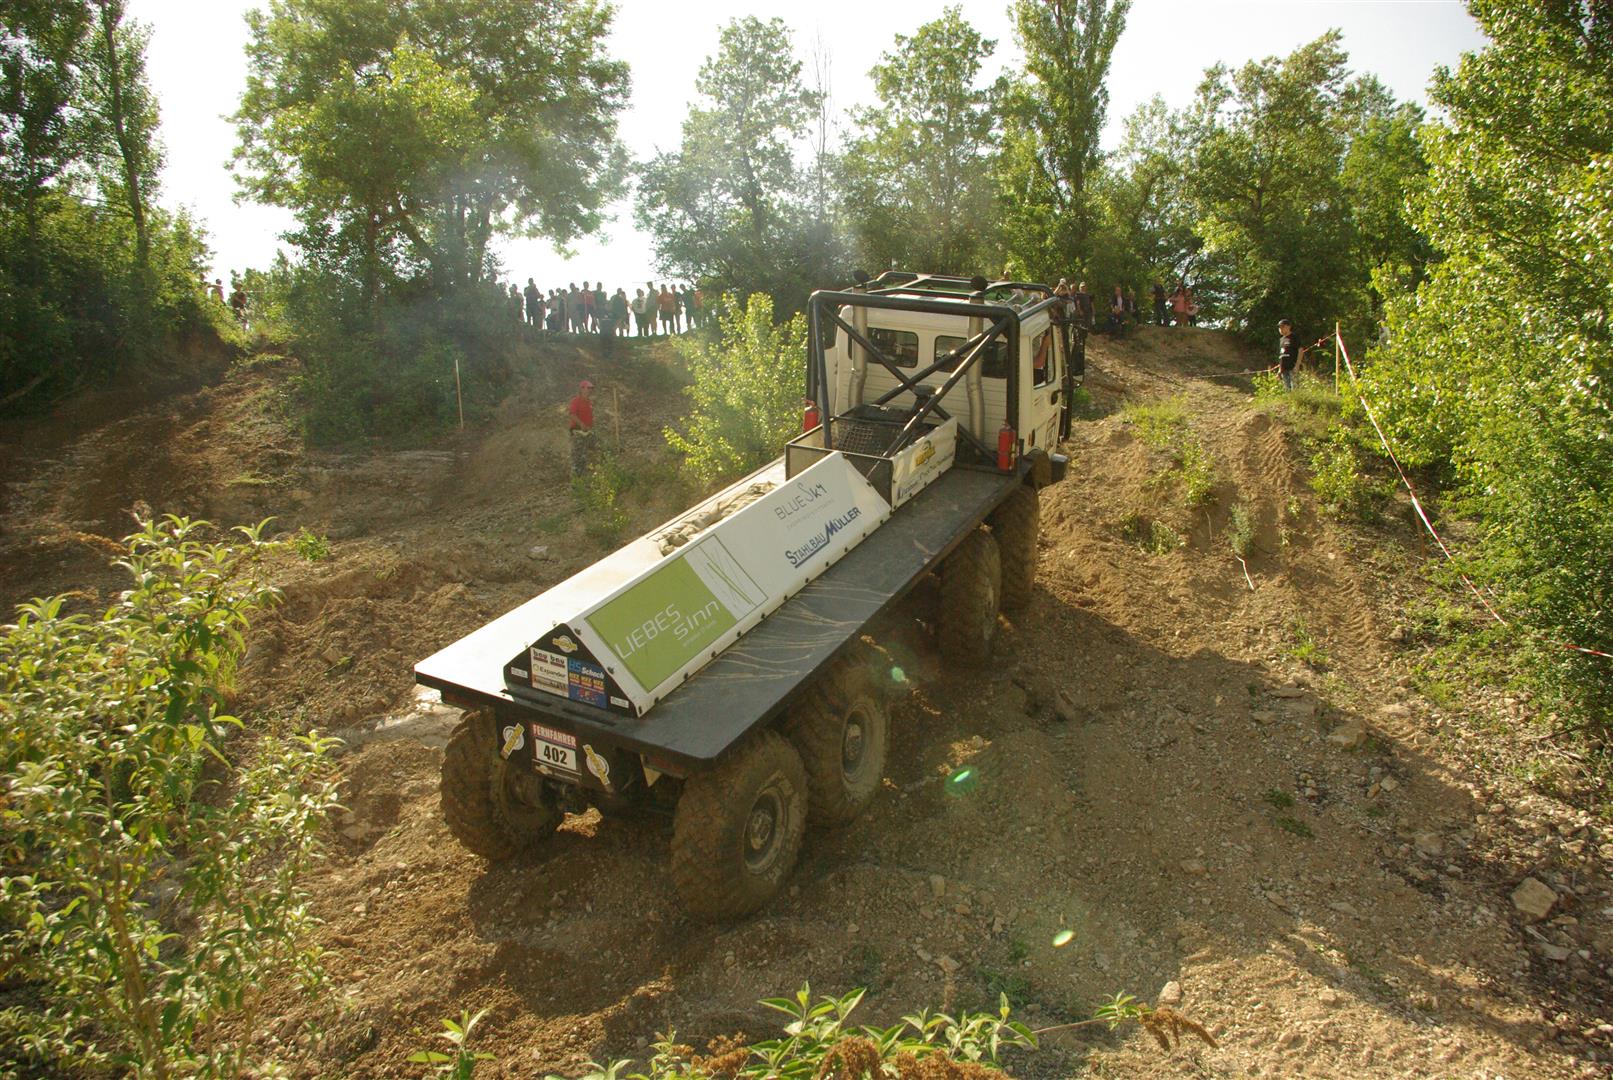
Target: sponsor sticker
(514, 739)
(548, 671)
(585, 682)
(565, 644)
(597, 764)
(553, 749)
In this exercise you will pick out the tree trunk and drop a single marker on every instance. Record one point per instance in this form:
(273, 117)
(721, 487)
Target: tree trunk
(111, 17)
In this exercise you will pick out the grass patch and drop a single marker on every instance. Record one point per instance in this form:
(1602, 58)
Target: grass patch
(1016, 988)
(1290, 823)
(250, 480)
(1154, 537)
(1198, 472)
(554, 524)
(1157, 421)
(1278, 798)
(1241, 531)
(599, 497)
(1306, 648)
(1311, 408)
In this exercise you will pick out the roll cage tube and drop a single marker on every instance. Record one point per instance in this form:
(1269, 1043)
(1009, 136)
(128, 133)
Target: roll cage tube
(823, 309)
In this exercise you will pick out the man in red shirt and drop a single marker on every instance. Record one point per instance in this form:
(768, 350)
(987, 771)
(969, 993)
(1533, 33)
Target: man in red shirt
(581, 412)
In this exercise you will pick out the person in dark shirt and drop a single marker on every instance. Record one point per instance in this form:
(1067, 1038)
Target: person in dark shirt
(534, 302)
(1159, 303)
(1084, 314)
(1288, 352)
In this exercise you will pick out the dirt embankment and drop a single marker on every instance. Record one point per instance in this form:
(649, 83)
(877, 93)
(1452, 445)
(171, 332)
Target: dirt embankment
(1158, 772)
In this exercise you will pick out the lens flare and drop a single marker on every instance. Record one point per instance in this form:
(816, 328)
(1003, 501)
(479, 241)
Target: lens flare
(898, 675)
(961, 782)
(1063, 938)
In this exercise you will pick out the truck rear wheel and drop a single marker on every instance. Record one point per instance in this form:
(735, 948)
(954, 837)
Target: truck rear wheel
(495, 808)
(841, 732)
(737, 830)
(1016, 524)
(971, 583)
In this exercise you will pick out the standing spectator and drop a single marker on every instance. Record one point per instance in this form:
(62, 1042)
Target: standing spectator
(1179, 303)
(534, 304)
(581, 413)
(700, 306)
(590, 313)
(1117, 311)
(1288, 352)
(688, 307)
(238, 302)
(515, 304)
(667, 305)
(1085, 318)
(601, 302)
(1159, 303)
(216, 290)
(562, 312)
(1132, 311)
(640, 320)
(1192, 305)
(618, 313)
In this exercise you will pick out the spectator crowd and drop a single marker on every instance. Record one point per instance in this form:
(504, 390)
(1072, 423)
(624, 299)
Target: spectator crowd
(651, 310)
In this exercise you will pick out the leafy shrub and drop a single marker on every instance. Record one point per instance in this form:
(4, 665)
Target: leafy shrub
(1154, 537)
(819, 1041)
(746, 394)
(598, 492)
(1240, 531)
(460, 1062)
(1336, 477)
(1198, 472)
(151, 882)
(1159, 423)
(310, 545)
(1306, 648)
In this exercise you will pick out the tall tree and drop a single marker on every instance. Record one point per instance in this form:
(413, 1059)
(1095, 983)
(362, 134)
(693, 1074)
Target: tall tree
(1270, 139)
(731, 207)
(127, 113)
(1500, 367)
(918, 181)
(1145, 218)
(1055, 120)
(44, 136)
(413, 132)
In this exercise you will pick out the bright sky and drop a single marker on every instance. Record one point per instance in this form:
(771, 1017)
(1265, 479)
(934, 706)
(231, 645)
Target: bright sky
(197, 66)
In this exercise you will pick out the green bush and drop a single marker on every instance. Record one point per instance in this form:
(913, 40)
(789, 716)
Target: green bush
(747, 391)
(151, 867)
(1341, 487)
(599, 498)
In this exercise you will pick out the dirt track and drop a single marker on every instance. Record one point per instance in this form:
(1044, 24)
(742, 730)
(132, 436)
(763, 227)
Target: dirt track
(1155, 770)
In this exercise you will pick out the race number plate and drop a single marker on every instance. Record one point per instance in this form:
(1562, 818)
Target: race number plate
(553, 750)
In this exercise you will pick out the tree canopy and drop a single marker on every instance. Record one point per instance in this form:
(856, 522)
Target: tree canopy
(410, 133)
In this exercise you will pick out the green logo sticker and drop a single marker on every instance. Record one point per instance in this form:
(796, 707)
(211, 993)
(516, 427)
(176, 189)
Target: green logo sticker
(662, 623)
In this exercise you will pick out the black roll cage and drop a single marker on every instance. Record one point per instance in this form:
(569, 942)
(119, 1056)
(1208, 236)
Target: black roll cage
(823, 310)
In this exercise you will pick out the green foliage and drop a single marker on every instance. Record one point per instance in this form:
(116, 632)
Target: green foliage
(151, 882)
(917, 183)
(1154, 537)
(1497, 370)
(599, 492)
(1306, 648)
(731, 200)
(1198, 473)
(94, 279)
(497, 117)
(1054, 116)
(1240, 531)
(818, 1040)
(747, 391)
(1341, 487)
(460, 1062)
(1277, 798)
(310, 545)
(1159, 422)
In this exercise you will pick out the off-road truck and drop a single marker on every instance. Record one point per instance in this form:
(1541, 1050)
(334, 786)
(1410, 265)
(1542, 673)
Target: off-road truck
(714, 667)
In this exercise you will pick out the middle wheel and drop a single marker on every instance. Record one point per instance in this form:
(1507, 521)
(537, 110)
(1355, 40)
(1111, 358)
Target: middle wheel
(842, 730)
(971, 587)
(737, 829)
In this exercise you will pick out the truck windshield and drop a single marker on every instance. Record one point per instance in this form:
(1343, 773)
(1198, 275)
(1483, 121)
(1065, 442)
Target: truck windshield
(996, 355)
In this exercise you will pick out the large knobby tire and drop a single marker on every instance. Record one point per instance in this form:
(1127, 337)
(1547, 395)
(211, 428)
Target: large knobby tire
(737, 830)
(1016, 524)
(971, 584)
(841, 729)
(482, 799)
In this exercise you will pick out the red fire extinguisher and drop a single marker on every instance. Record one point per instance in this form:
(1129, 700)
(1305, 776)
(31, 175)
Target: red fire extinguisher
(1005, 448)
(810, 418)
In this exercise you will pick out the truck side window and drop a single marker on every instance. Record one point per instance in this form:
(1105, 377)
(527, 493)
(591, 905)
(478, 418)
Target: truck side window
(901, 346)
(996, 356)
(1042, 362)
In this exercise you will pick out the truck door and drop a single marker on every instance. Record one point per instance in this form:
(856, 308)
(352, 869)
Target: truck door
(1041, 422)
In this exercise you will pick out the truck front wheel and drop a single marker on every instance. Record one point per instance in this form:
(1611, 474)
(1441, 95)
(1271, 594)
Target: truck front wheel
(495, 808)
(841, 732)
(1016, 525)
(737, 830)
(971, 583)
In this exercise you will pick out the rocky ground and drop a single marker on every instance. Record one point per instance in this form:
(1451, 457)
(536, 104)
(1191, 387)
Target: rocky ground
(1335, 874)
